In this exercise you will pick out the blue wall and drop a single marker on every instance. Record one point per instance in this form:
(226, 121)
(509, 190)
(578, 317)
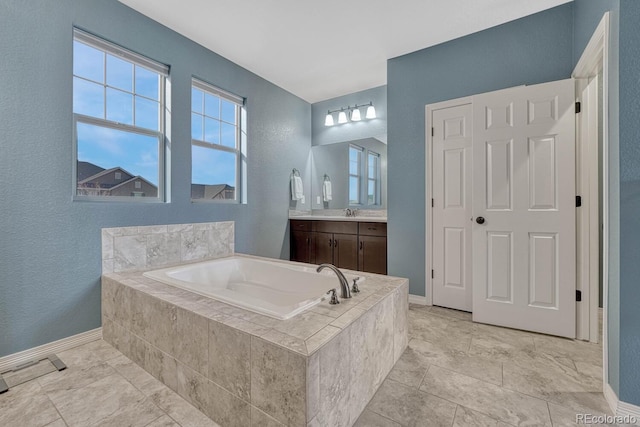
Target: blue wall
(376, 128)
(534, 49)
(630, 201)
(49, 245)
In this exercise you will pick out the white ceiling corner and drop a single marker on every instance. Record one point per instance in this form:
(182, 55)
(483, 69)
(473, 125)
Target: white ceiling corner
(322, 49)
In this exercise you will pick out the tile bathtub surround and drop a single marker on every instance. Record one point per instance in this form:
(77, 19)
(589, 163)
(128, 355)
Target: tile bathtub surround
(155, 246)
(320, 368)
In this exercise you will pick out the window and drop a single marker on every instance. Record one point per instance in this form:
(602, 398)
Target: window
(373, 178)
(218, 144)
(118, 117)
(355, 174)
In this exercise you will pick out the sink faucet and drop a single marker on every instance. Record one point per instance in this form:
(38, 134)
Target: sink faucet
(344, 284)
(350, 212)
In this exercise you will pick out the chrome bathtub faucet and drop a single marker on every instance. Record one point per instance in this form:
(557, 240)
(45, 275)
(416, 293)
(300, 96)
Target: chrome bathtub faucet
(344, 284)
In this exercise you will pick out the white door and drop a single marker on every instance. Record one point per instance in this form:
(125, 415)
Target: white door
(524, 261)
(452, 276)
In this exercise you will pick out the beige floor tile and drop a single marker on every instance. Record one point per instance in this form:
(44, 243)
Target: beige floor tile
(180, 410)
(497, 402)
(75, 377)
(163, 421)
(458, 361)
(92, 353)
(57, 423)
(41, 368)
(443, 312)
(141, 379)
(578, 351)
(26, 410)
(432, 328)
(565, 417)
(108, 401)
(465, 417)
(410, 369)
(411, 407)
(371, 419)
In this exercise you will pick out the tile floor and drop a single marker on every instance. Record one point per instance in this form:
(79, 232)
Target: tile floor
(454, 373)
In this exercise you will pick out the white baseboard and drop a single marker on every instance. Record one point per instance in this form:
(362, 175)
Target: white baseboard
(418, 299)
(621, 409)
(40, 352)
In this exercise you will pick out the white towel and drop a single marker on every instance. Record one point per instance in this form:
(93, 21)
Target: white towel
(297, 189)
(326, 191)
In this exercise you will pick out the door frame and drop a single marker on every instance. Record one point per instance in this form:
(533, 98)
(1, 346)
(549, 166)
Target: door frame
(429, 109)
(593, 61)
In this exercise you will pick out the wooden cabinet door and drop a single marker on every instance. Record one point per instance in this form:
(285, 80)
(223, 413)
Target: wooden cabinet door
(372, 254)
(323, 248)
(345, 251)
(301, 246)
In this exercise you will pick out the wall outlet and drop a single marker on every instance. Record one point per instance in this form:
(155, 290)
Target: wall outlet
(318, 200)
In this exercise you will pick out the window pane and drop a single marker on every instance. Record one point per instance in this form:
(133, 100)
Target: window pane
(212, 106)
(228, 135)
(196, 127)
(228, 112)
(371, 193)
(147, 83)
(213, 174)
(88, 62)
(196, 100)
(88, 98)
(119, 73)
(147, 114)
(103, 152)
(119, 106)
(211, 130)
(353, 190)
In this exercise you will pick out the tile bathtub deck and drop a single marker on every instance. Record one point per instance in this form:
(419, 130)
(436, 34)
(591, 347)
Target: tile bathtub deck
(454, 373)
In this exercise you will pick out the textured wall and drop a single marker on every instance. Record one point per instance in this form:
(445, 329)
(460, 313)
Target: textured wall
(376, 128)
(534, 49)
(629, 201)
(49, 245)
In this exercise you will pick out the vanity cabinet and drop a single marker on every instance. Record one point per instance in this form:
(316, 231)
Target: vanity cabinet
(346, 244)
(301, 242)
(372, 247)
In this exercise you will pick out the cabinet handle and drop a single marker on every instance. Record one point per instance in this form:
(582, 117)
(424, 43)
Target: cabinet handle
(372, 228)
(335, 243)
(330, 243)
(307, 240)
(361, 245)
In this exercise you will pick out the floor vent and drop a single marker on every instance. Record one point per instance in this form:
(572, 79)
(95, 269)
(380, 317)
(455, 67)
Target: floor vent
(30, 371)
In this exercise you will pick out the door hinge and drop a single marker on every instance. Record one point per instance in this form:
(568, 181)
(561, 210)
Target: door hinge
(578, 296)
(433, 132)
(578, 107)
(578, 201)
(432, 274)
(433, 203)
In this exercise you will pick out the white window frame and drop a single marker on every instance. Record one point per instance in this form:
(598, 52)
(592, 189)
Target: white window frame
(358, 176)
(136, 59)
(376, 179)
(241, 143)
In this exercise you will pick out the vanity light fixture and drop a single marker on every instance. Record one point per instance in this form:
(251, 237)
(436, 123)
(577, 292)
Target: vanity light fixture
(345, 115)
(328, 121)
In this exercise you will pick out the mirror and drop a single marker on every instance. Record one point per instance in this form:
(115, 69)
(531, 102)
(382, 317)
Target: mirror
(357, 171)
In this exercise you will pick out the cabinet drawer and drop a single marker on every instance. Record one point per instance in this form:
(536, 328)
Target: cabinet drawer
(342, 227)
(372, 228)
(299, 225)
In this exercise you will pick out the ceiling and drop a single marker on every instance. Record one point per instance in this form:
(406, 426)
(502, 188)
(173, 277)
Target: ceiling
(320, 49)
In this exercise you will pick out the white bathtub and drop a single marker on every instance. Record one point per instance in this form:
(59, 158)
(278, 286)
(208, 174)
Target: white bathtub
(275, 289)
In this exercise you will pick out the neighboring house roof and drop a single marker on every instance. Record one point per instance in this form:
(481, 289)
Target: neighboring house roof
(209, 191)
(105, 173)
(86, 170)
(135, 178)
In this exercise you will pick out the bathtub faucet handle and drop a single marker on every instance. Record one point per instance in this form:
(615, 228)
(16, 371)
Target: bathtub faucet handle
(355, 289)
(334, 297)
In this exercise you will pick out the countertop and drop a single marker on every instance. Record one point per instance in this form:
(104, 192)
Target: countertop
(339, 218)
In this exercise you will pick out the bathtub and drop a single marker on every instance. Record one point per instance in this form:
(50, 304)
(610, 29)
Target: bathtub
(272, 288)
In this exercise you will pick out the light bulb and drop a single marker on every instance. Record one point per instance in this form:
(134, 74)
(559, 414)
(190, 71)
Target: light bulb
(328, 121)
(355, 115)
(342, 117)
(371, 112)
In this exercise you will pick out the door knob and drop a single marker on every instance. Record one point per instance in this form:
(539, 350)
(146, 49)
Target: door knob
(480, 220)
